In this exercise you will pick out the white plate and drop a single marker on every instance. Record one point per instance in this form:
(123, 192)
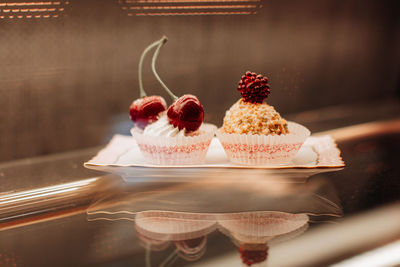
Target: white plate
(122, 156)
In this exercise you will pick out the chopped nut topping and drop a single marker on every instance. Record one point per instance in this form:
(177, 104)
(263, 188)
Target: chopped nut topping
(254, 118)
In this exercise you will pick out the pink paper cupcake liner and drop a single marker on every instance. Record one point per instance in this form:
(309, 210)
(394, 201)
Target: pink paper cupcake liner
(175, 226)
(180, 150)
(253, 149)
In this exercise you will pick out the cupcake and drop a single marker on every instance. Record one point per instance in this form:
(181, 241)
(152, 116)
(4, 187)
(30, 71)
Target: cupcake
(174, 135)
(163, 143)
(253, 132)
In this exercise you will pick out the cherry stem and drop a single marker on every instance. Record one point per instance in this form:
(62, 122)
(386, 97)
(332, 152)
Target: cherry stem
(153, 67)
(146, 50)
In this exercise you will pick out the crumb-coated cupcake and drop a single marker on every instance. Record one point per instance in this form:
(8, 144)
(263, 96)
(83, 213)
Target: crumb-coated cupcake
(253, 132)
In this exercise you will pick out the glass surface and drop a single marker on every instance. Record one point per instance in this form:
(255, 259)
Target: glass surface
(69, 72)
(54, 212)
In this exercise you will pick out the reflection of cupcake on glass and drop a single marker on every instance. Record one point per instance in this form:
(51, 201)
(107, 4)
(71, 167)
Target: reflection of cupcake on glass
(253, 253)
(151, 243)
(172, 136)
(188, 232)
(253, 231)
(253, 132)
(192, 249)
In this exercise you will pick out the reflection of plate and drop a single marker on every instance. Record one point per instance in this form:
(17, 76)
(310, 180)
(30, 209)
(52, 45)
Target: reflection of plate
(122, 156)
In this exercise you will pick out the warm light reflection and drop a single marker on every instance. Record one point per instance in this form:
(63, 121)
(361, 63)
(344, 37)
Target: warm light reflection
(387, 255)
(40, 9)
(191, 13)
(190, 7)
(187, 1)
(45, 191)
(31, 4)
(38, 196)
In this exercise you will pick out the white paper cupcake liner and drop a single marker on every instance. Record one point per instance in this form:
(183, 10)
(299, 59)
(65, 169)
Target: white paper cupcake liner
(253, 149)
(180, 150)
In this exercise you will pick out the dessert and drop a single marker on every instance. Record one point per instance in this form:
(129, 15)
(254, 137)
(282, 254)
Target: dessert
(251, 114)
(182, 137)
(253, 132)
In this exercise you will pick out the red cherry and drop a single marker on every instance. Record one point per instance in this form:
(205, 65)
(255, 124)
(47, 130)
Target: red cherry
(186, 113)
(144, 111)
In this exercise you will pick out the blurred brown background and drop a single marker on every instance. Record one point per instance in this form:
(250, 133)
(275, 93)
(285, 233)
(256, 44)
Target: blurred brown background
(67, 82)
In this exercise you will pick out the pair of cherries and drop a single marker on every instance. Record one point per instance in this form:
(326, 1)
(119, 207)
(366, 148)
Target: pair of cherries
(186, 112)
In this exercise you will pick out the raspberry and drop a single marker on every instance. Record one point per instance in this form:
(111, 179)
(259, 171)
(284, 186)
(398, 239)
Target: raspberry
(250, 257)
(254, 87)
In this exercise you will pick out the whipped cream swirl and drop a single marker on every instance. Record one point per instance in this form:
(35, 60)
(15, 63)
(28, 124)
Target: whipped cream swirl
(162, 127)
